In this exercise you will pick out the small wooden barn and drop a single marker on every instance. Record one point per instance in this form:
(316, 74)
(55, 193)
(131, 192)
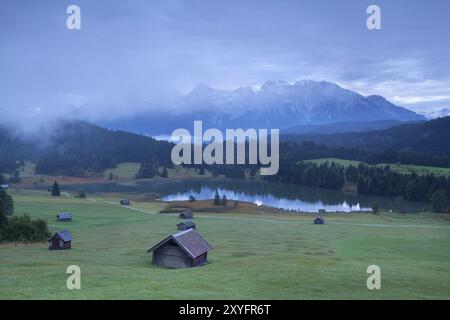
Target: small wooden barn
(64, 216)
(319, 220)
(187, 214)
(61, 240)
(186, 225)
(185, 249)
(125, 202)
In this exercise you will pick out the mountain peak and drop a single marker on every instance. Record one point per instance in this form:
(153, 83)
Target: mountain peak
(272, 85)
(202, 89)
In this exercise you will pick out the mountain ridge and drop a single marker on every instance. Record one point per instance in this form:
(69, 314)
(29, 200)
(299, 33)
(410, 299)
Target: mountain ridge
(277, 105)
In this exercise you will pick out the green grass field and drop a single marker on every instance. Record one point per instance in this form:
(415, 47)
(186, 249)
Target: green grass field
(129, 170)
(27, 170)
(125, 170)
(400, 168)
(255, 256)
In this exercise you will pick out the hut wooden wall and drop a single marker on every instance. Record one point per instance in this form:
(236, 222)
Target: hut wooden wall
(201, 260)
(171, 256)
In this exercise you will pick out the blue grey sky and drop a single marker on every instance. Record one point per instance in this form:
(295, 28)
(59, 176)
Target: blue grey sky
(129, 52)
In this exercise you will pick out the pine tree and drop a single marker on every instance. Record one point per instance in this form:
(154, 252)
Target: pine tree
(147, 171)
(224, 200)
(217, 198)
(164, 173)
(56, 192)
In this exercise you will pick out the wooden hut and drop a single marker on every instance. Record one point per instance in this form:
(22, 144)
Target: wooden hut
(125, 202)
(186, 225)
(187, 214)
(61, 240)
(319, 220)
(64, 216)
(185, 249)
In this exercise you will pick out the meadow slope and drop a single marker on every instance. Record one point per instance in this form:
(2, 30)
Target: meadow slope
(255, 256)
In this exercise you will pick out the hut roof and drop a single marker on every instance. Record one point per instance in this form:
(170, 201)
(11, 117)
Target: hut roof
(190, 241)
(64, 235)
(186, 213)
(188, 223)
(64, 215)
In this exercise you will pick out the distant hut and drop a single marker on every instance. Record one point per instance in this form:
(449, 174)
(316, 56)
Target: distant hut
(186, 214)
(4, 186)
(185, 249)
(64, 216)
(61, 240)
(322, 211)
(186, 225)
(319, 220)
(125, 202)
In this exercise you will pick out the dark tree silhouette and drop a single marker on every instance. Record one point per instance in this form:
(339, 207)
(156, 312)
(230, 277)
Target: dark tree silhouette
(56, 192)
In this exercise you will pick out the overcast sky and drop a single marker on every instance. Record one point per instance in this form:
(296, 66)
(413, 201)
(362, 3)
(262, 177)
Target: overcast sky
(130, 51)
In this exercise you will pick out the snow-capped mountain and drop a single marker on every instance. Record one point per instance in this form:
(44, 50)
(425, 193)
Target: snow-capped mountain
(278, 104)
(445, 112)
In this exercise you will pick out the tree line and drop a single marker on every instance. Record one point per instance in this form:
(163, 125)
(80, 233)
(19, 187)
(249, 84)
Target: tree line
(369, 180)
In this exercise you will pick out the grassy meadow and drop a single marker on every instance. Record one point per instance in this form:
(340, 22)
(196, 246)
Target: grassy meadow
(257, 255)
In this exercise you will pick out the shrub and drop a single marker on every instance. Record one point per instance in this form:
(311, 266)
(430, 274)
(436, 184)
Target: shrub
(81, 195)
(375, 208)
(23, 228)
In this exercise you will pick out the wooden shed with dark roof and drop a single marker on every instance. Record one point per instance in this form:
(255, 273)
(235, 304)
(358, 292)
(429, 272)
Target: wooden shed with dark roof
(125, 202)
(319, 220)
(187, 214)
(61, 240)
(186, 225)
(64, 216)
(185, 249)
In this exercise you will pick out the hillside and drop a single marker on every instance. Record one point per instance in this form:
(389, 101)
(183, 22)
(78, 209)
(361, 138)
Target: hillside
(340, 127)
(78, 148)
(428, 138)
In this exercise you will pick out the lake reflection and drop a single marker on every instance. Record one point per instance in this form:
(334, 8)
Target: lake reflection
(206, 193)
(276, 195)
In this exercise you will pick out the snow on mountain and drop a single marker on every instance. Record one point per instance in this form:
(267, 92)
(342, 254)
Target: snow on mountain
(444, 112)
(278, 104)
